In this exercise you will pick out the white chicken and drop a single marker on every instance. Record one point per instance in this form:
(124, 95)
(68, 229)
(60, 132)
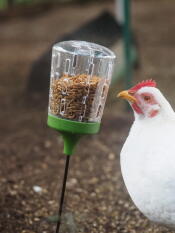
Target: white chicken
(148, 155)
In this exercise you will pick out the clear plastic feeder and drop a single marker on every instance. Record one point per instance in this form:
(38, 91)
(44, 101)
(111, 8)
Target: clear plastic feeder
(80, 77)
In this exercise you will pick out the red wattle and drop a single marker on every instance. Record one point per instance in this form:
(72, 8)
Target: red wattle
(136, 108)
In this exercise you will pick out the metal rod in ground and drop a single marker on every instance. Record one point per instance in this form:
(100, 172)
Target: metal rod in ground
(62, 193)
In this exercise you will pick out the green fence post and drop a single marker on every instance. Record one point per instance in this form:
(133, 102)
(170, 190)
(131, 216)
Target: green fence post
(127, 43)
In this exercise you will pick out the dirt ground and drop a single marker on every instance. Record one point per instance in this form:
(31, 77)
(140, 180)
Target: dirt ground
(31, 153)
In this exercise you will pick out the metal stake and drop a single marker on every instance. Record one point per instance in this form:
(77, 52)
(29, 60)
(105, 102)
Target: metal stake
(62, 193)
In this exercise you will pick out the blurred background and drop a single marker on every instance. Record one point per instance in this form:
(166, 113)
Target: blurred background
(31, 159)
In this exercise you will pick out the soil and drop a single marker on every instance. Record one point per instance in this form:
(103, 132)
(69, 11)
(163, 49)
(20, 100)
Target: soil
(31, 153)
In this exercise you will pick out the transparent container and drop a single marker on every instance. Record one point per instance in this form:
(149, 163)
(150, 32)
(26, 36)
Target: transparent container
(80, 77)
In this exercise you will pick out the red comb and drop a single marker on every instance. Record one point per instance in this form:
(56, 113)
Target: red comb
(146, 83)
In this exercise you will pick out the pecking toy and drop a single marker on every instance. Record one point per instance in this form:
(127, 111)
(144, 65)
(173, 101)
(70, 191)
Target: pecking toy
(80, 77)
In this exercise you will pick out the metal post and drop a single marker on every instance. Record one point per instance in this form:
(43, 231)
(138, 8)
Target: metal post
(119, 4)
(63, 193)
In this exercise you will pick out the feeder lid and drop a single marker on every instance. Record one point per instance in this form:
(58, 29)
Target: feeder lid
(84, 48)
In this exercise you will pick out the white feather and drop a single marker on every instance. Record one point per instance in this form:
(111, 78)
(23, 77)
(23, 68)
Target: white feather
(148, 162)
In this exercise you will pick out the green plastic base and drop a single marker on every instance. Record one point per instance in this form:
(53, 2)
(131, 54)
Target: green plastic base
(74, 127)
(72, 131)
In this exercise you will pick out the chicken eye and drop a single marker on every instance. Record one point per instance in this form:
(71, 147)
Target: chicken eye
(146, 98)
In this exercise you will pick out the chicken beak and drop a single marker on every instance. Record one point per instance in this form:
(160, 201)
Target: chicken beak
(127, 96)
